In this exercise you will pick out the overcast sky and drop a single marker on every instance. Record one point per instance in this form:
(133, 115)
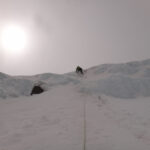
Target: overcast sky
(66, 33)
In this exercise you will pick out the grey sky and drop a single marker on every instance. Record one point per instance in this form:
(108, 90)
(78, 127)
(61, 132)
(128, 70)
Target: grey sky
(67, 33)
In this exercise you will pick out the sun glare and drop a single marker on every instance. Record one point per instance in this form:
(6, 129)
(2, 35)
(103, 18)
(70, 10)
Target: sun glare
(14, 39)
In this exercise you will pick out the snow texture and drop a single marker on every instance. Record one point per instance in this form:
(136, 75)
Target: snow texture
(78, 112)
(65, 119)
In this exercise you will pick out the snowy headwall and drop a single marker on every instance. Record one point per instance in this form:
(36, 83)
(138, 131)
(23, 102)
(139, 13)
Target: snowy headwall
(126, 80)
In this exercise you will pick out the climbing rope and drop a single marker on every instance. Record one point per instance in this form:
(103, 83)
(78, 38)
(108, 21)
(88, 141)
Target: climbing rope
(84, 124)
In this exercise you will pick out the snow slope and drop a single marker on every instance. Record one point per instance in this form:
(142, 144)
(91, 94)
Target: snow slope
(128, 80)
(106, 109)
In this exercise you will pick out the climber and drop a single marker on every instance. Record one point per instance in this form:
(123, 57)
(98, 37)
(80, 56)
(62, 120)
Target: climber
(79, 70)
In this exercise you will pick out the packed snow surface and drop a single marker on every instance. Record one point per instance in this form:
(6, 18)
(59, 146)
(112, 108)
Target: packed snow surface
(106, 109)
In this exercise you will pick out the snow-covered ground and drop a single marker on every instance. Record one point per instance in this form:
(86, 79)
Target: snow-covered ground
(106, 109)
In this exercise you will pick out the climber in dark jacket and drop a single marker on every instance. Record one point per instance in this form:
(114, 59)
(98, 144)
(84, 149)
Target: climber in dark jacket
(79, 70)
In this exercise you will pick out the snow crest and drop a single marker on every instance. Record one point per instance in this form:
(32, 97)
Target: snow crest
(126, 80)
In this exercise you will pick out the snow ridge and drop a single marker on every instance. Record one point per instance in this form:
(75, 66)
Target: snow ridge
(126, 80)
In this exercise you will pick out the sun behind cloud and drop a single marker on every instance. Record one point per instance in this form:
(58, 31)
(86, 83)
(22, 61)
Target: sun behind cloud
(13, 39)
